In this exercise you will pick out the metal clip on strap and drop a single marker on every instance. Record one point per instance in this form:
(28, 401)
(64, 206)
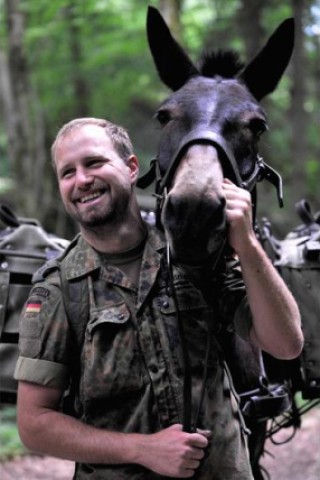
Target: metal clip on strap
(263, 171)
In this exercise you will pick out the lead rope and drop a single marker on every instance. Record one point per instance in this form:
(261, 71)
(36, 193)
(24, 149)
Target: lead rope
(187, 424)
(210, 330)
(187, 388)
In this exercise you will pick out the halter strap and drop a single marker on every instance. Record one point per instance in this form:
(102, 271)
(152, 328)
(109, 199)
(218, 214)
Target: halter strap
(260, 172)
(198, 137)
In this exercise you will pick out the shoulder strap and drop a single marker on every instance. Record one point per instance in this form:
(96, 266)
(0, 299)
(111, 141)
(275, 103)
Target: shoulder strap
(75, 296)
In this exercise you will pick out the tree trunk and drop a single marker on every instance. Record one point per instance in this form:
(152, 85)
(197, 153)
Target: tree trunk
(298, 116)
(170, 10)
(24, 126)
(7, 104)
(19, 129)
(80, 86)
(251, 31)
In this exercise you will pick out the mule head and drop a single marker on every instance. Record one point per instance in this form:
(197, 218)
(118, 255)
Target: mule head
(211, 125)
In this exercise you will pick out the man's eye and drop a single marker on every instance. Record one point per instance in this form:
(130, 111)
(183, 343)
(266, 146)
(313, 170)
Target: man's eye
(95, 163)
(67, 174)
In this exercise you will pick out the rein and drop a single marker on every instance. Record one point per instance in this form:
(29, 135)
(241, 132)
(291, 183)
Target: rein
(188, 425)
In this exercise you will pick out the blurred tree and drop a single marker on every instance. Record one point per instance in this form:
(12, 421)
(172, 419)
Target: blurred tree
(78, 79)
(171, 10)
(26, 149)
(298, 118)
(252, 32)
(91, 58)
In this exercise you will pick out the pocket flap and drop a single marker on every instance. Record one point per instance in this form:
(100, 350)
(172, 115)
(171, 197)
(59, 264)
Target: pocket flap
(116, 314)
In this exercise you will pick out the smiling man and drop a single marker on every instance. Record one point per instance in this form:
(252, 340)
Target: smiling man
(126, 373)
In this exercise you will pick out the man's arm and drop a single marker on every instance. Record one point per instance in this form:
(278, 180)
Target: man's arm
(44, 429)
(276, 318)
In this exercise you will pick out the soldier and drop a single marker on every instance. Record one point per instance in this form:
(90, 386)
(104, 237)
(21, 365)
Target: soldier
(128, 396)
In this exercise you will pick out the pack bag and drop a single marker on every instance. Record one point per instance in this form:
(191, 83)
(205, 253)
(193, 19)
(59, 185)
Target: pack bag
(297, 258)
(24, 247)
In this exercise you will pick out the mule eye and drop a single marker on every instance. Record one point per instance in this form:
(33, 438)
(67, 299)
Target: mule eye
(163, 117)
(258, 126)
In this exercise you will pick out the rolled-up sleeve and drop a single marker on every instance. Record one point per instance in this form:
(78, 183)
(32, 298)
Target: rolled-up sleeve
(42, 372)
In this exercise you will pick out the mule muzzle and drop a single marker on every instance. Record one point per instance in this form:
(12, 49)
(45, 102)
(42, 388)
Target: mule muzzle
(193, 242)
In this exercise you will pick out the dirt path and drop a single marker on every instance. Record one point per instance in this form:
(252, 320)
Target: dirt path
(297, 460)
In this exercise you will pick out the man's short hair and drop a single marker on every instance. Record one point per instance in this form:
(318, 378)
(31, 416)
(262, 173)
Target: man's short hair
(118, 135)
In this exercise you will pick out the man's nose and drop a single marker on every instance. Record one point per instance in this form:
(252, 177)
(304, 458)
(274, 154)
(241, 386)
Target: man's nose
(84, 178)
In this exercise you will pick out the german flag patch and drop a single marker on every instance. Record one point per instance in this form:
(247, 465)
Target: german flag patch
(33, 307)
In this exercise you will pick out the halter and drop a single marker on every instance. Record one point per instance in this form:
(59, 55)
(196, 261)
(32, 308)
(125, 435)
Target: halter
(261, 171)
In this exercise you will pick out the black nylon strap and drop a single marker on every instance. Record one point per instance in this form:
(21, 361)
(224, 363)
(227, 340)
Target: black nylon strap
(75, 296)
(8, 217)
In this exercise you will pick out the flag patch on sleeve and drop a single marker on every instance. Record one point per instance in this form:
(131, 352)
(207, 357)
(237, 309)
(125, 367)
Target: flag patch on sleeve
(33, 307)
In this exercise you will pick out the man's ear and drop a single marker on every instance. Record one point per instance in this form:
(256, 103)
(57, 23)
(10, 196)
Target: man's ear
(133, 165)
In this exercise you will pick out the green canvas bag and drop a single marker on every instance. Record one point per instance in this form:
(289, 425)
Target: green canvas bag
(297, 258)
(24, 247)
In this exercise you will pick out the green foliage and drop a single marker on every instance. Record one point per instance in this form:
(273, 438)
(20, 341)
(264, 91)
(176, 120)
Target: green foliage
(313, 175)
(92, 58)
(279, 11)
(110, 41)
(10, 443)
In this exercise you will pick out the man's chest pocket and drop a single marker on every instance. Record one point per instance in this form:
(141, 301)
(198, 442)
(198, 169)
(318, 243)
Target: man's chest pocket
(112, 361)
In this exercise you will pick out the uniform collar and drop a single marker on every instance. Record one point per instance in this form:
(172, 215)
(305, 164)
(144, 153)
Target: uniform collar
(83, 259)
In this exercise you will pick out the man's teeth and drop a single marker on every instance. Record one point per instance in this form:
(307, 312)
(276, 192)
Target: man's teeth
(90, 197)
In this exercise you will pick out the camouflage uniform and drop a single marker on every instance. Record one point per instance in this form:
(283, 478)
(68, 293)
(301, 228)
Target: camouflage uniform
(131, 367)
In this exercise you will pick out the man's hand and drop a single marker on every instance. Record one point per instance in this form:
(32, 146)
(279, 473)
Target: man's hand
(239, 216)
(174, 453)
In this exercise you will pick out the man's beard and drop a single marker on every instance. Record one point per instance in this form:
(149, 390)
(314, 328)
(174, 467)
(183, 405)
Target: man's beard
(113, 213)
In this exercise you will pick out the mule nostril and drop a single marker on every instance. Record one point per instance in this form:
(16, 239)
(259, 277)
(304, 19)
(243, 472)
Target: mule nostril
(222, 201)
(206, 216)
(176, 206)
(218, 212)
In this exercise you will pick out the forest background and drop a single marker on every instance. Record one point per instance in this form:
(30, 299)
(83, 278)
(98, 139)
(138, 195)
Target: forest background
(69, 58)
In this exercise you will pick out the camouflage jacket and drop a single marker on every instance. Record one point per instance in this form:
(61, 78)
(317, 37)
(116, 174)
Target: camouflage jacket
(131, 361)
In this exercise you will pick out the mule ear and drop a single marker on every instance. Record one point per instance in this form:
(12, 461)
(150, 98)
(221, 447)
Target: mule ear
(172, 62)
(262, 75)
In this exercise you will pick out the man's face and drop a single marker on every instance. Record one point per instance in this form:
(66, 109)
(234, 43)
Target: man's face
(95, 182)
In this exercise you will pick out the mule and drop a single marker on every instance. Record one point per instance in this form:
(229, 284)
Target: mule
(211, 126)
(210, 129)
